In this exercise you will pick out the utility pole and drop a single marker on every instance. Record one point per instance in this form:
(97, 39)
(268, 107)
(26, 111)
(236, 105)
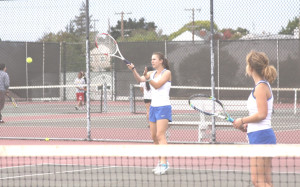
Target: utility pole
(122, 22)
(193, 17)
(94, 20)
(108, 22)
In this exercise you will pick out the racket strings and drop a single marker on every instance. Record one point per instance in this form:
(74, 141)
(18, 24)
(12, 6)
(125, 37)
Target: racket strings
(207, 105)
(106, 44)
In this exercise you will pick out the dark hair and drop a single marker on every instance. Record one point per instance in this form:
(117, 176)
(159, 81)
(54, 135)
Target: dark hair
(149, 68)
(161, 56)
(2, 66)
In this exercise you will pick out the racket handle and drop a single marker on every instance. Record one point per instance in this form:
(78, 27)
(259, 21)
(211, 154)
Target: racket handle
(230, 119)
(126, 61)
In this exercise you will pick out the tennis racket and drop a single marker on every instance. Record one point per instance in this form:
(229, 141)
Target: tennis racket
(13, 101)
(107, 45)
(204, 104)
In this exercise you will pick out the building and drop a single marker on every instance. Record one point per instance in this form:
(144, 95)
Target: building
(266, 36)
(201, 35)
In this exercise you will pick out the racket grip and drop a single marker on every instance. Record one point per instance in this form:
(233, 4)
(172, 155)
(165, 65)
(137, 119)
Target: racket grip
(126, 61)
(230, 119)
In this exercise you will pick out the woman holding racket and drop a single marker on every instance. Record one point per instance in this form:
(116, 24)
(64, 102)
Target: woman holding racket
(160, 112)
(258, 123)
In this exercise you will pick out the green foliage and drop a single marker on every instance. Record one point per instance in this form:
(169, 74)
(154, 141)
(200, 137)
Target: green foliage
(289, 29)
(201, 25)
(74, 35)
(144, 35)
(231, 34)
(134, 29)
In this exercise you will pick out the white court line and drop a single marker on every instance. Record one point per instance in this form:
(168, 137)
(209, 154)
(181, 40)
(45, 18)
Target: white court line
(52, 173)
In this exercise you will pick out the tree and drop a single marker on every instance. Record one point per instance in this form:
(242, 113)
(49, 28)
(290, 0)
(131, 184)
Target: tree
(231, 34)
(73, 38)
(291, 26)
(137, 31)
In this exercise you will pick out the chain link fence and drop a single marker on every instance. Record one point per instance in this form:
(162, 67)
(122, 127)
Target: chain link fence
(53, 34)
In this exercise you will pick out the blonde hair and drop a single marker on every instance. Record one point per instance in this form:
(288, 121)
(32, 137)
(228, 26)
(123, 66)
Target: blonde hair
(259, 62)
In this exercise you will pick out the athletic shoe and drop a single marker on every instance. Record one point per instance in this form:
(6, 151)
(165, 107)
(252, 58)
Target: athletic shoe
(157, 166)
(162, 169)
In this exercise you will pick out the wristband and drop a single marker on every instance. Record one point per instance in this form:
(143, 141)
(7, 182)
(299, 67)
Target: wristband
(133, 68)
(148, 80)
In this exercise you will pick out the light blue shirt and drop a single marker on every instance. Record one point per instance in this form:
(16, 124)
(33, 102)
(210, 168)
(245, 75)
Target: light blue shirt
(4, 81)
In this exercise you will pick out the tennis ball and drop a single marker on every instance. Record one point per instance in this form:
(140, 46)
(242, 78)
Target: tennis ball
(47, 139)
(28, 60)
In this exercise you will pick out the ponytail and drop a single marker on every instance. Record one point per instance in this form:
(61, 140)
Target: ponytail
(270, 73)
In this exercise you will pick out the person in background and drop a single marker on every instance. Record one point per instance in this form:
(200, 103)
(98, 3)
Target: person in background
(4, 85)
(258, 123)
(85, 82)
(146, 90)
(79, 82)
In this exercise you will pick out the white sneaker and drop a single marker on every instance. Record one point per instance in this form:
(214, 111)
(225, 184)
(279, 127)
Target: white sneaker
(157, 166)
(162, 169)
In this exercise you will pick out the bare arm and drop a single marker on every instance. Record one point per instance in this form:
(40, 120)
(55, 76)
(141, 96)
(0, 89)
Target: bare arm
(165, 78)
(262, 93)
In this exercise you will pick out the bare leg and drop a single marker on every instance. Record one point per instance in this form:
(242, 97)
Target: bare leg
(153, 131)
(162, 126)
(147, 105)
(261, 171)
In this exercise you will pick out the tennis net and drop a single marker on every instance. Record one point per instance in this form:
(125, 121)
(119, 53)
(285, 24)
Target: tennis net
(131, 165)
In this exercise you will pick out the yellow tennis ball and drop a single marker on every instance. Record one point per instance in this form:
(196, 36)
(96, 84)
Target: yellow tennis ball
(47, 139)
(28, 60)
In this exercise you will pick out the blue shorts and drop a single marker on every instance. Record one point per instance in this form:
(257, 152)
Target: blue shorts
(266, 136)
(160, 112)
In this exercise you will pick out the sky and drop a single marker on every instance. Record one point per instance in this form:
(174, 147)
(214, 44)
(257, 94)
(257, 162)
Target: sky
(28, 20)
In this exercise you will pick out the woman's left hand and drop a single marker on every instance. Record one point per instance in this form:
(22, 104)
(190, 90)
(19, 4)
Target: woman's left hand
(145, 73)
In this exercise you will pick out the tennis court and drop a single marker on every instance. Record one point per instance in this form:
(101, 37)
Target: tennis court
(46, 141)
(60, 120)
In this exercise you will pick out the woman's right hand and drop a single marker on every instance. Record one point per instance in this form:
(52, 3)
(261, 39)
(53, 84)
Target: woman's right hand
(130, 66)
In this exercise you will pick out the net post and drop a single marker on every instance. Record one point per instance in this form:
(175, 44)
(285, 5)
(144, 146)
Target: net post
(101, 98)
(131, 98)
(105, 97)
(295, 102)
